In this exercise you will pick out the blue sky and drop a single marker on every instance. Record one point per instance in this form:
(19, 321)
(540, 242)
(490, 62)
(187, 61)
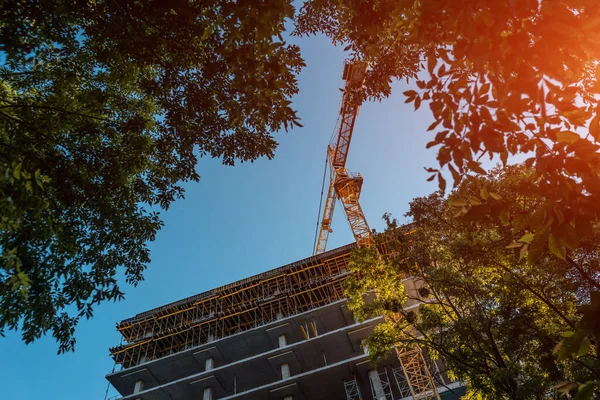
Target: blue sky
(242, 220)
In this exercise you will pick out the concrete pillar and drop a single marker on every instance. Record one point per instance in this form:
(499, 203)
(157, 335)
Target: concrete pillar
(209, 364)
(279, 315)
(285, 371)
(211, 337)
(207, 395)
(376, 385)
(139, 386)
(314, 327)
(288, 398)
(365, 346)
(282, 341)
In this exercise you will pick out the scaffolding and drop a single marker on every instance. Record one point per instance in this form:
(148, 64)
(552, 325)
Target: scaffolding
(418, 379)
(243, 305)
(380, 385)
(352, 390)
(401, 382)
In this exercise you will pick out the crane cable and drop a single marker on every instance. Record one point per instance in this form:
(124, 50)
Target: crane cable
(322, 189)
(320, 205)
(108, 384)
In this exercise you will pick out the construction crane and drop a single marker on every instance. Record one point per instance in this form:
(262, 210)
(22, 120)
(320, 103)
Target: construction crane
(342, 184)
(347, 187)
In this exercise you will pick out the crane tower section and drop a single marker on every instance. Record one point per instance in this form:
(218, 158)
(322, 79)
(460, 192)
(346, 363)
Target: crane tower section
(343, 185)
(347, 187)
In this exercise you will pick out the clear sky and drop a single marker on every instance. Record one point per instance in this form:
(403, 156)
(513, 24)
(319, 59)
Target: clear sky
(243, 220)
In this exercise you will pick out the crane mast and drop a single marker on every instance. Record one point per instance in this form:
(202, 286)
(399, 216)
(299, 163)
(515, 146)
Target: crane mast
(347, 187)
(342, 184)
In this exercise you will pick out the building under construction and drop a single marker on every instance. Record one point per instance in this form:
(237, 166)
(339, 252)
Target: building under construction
(284, 334)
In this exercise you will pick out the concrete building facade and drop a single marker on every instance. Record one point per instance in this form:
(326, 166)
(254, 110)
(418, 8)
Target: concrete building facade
(284, 334)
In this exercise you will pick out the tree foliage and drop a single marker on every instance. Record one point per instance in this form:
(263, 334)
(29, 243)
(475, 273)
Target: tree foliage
(509, 326)
(105, 107)
(502, 78)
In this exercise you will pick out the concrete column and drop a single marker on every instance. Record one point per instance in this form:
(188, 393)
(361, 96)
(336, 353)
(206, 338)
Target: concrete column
(209, 364)
(376, 385)
(282, 341)
(279, 315)
(288, 398)
(211, 337)
(285, 371)
(207, 395)
(139, 386)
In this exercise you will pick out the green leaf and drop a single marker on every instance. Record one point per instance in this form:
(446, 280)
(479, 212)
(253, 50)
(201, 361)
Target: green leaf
(476, 167)
(474, 201)
(527, 238)
(584, 347)
(433, 125)
(557, 248)
(458, 202)
(524, 251)
(570, 345)
(484, 193)
(586, 390)
(537, 245)
(519, 222)
(484, 88)
(441, 183)
(537, 220)
(456, 177)
(17, 171)
(567, 236)
(431, 63)
(207, 32)
(567, 137)
(476, 213)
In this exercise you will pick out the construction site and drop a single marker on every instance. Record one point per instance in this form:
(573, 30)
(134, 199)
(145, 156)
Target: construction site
(284, 334)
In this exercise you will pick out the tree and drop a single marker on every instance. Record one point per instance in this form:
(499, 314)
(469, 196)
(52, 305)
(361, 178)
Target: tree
(494, 318)
(105, 107)
(517, 78)
(501, 79)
